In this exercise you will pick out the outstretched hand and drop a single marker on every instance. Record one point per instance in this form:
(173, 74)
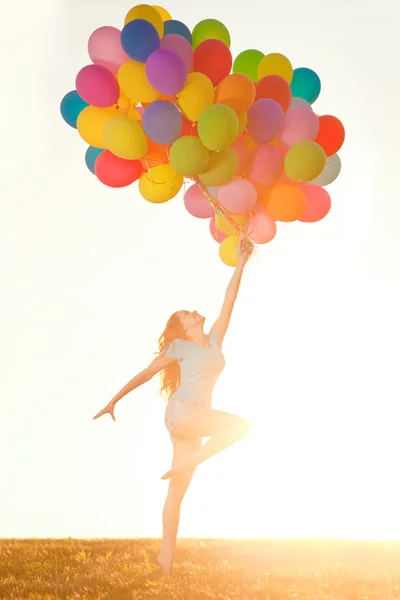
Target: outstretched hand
(107, 409)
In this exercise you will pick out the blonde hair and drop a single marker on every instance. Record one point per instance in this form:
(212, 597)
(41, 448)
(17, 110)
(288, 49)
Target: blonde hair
(170, 376)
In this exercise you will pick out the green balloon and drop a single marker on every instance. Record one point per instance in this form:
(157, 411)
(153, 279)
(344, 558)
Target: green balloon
(188, 156)
(218, 127)
(210, 29)
(247, 63)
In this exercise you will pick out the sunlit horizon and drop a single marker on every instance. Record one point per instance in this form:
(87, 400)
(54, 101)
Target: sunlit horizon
(90, 276)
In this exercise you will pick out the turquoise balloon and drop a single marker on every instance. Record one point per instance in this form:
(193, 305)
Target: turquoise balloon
(71, 106)
(91, 157)
(305, 84)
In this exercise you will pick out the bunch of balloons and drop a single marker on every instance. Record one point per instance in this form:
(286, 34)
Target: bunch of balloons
(160, 104)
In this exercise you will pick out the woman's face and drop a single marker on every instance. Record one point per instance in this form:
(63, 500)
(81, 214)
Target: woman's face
(190, 319)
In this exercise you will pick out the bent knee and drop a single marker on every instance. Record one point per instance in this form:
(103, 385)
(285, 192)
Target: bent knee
(242, 426)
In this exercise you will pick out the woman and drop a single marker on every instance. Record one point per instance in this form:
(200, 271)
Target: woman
(189, 363)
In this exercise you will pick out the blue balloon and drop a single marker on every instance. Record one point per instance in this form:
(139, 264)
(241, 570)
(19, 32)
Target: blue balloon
(172, 26)
(139, 39)
(71, 106)
(162, 122)
(91, 156)
(305, 84)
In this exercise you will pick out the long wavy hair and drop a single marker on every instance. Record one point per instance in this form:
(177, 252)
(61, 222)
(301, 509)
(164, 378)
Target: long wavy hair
(170, 377)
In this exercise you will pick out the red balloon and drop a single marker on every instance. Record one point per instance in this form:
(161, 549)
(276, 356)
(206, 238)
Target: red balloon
(276, 88)
(318, 203)
(214, 59)
(331, 134)
(117, 172)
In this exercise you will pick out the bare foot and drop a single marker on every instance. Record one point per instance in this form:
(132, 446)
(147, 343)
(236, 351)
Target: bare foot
(164, 564)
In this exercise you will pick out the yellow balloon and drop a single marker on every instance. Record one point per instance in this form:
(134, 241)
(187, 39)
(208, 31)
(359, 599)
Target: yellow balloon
(225, 227)
(275, 64)
(305, 161)
(147, 13)
(160, 184)
(197, 94)
(164, 14)
(125, 138)
(243, 118)
(221, 167)
(134, 83)
(229, 250)
(90, 125)
(188, 156)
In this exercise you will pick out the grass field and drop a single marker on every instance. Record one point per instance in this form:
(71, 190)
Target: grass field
(221, 569)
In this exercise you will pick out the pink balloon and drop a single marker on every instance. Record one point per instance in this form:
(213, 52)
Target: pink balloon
(238, 196)
(264, 164)
(181, 46)
(166, 71)
(97, 86)
(318, 203)
(265, 120)
(240, 148)
(297, 101)
(105, 48)
(216, 233)
(197, 204)
(262, 227)
(300, 123)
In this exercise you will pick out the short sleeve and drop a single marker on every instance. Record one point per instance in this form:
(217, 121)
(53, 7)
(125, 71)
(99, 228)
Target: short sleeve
(214, 336)
(175, 349)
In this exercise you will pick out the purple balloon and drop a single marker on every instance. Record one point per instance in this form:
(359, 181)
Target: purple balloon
(265, 120)
(166, 71)
(162, 122)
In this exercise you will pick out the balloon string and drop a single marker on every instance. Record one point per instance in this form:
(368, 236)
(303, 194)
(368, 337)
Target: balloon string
(173, 181)
(149, 171)
(240, 230)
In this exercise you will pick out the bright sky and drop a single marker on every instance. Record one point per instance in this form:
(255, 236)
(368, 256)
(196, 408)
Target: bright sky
(89, 276)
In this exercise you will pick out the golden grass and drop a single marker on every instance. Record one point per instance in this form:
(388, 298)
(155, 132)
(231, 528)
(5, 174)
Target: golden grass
(204, 569)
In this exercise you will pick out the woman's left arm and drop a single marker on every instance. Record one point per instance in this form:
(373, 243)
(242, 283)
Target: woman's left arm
(221, 324)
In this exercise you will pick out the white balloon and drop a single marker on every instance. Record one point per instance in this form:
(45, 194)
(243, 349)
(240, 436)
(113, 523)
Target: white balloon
(330, 172)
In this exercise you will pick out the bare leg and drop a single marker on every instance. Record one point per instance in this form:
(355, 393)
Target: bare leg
(171, 513)
(224, 429)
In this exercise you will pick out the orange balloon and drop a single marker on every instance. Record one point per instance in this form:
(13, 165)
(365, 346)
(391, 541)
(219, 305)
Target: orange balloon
(276, 88)
(189, 128)
(237, 91)
(284, 202)
(168, 98)
(157, 154)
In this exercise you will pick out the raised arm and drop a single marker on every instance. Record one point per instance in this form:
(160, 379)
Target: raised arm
(221, 324)
(157, 365)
